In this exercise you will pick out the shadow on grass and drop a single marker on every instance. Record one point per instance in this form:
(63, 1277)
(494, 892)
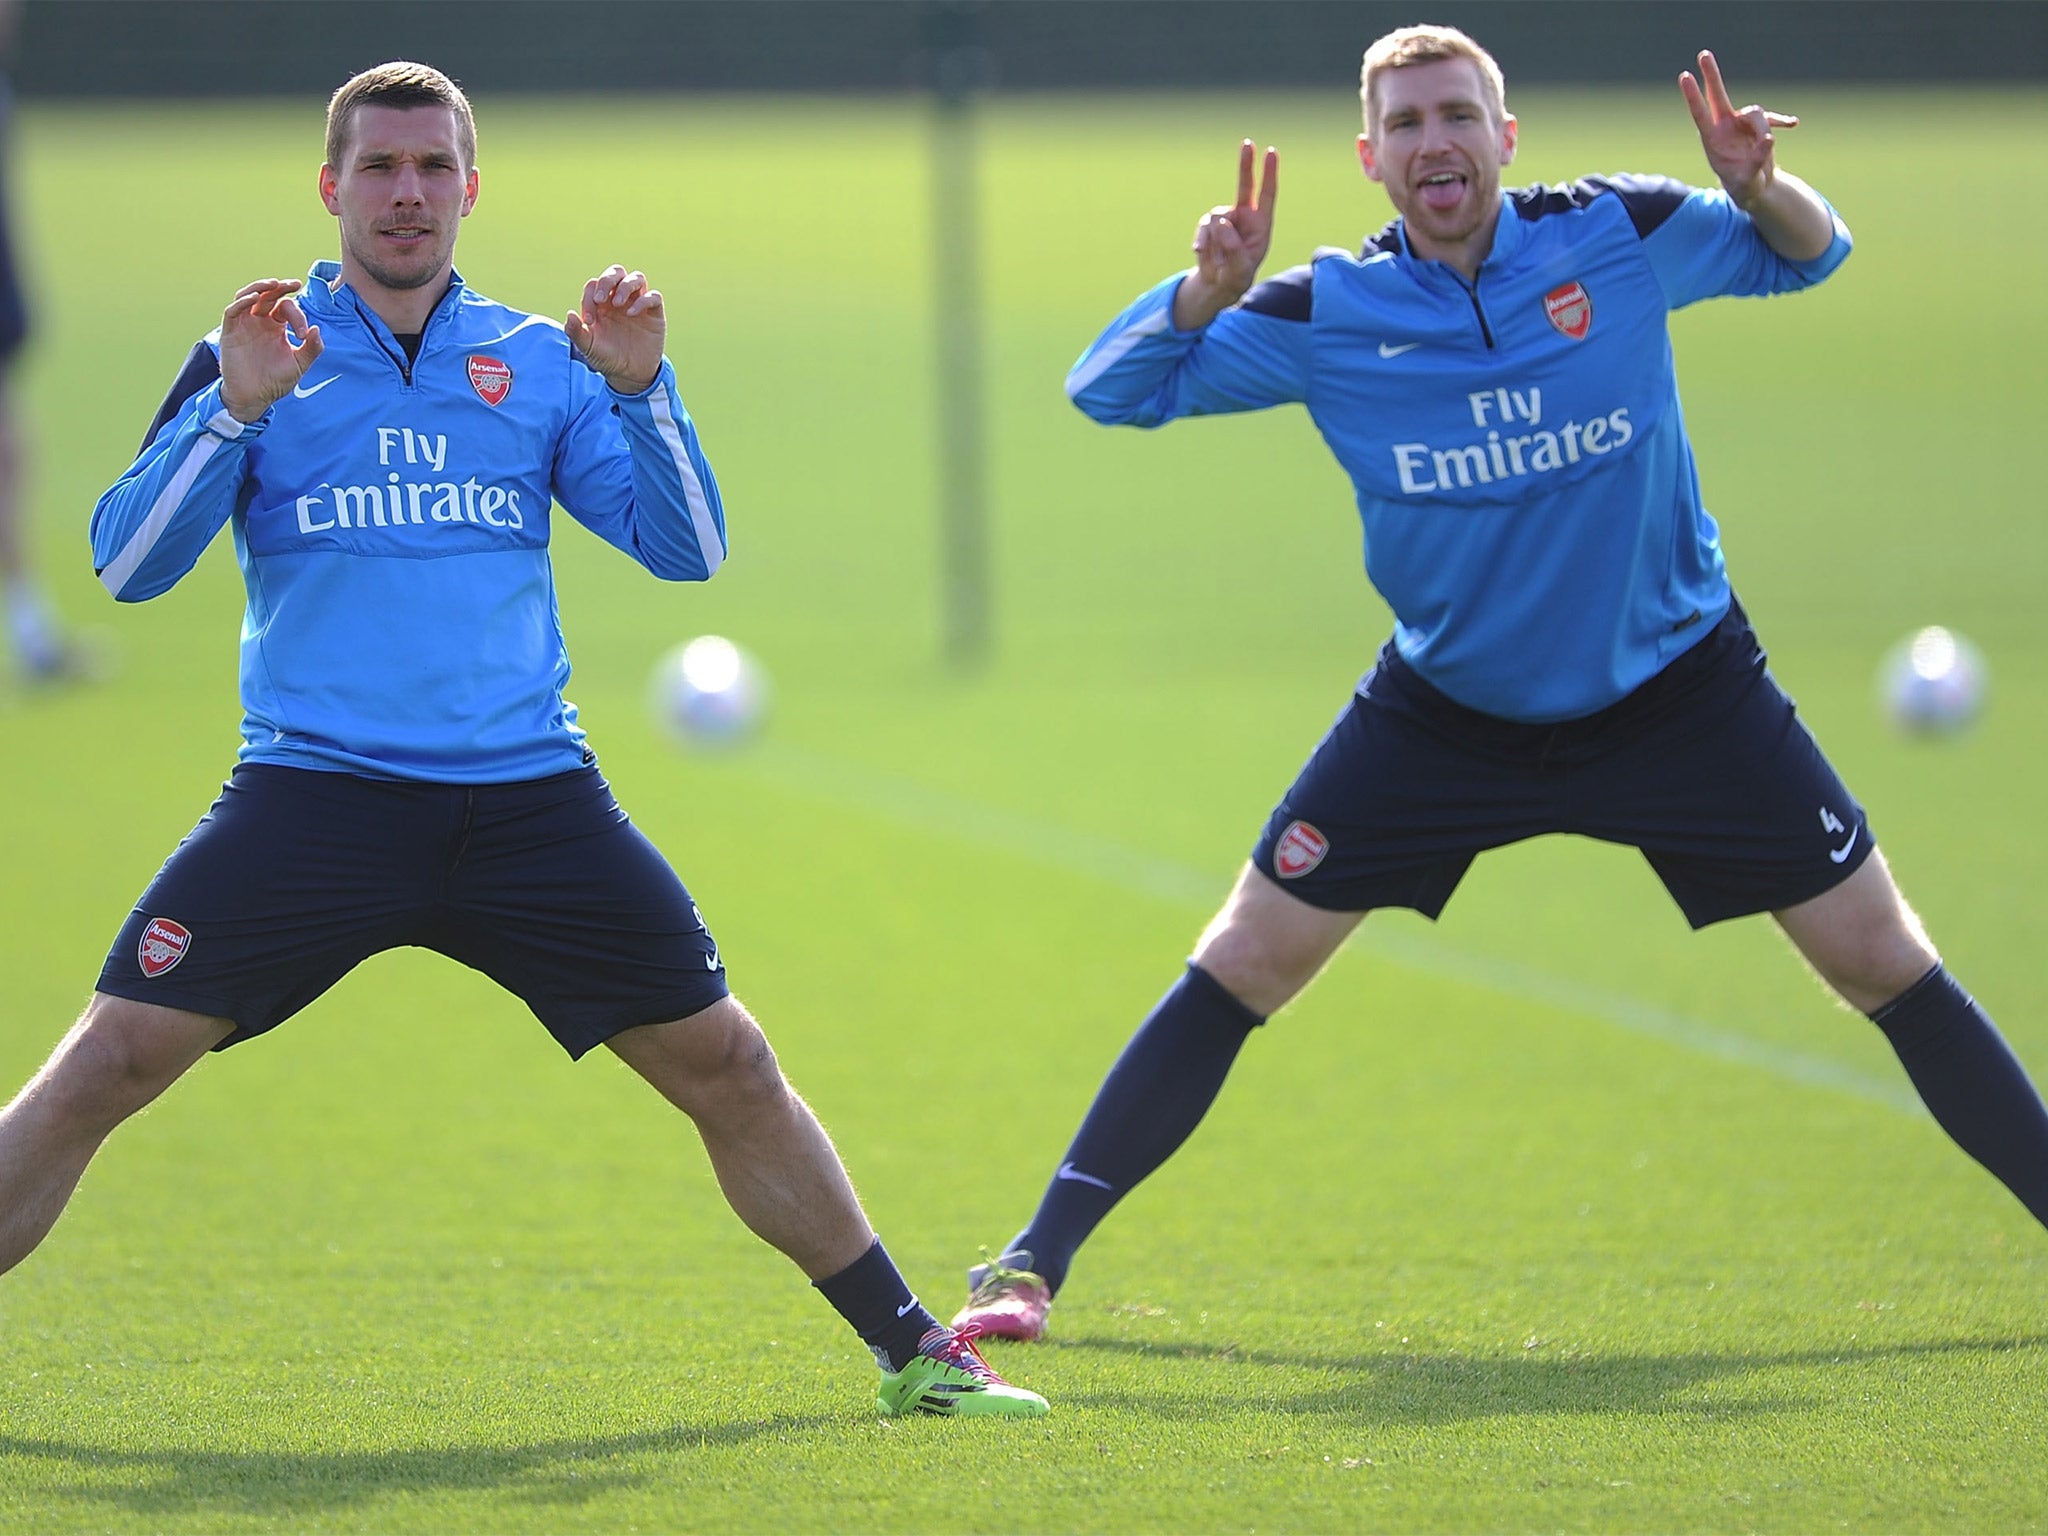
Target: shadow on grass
(1420, 1388)
(1392, 1387)
(171, 1482)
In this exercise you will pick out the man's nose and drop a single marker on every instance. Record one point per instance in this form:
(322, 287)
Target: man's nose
(407, 187)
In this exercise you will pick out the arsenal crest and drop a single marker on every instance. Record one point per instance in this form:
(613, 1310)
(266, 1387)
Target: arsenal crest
(163, 945)
(491, 379)
(1300, 849)
(1569, 310)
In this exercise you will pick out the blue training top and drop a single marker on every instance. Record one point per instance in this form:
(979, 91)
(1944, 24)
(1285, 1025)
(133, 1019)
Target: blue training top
(1531, 507)
(391, 516)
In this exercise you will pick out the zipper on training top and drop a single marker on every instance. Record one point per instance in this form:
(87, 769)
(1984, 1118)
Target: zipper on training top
(1472, 293)
(404, 363)
(377, 328)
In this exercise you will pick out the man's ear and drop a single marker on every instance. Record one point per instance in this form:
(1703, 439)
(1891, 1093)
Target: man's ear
(330, 189)
(1369, 161)
(1507, 140)
(469, 193)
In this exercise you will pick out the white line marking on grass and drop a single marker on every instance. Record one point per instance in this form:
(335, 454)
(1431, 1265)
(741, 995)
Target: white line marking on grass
(1434, 957)
(999, 831)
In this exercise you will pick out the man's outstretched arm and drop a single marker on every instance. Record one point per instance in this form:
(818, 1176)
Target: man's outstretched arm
(1202, 342)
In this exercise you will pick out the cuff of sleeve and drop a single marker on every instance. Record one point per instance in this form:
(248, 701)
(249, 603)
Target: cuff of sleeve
(214, 417)
(1831, 258)
(663, 375)
(1173, 295)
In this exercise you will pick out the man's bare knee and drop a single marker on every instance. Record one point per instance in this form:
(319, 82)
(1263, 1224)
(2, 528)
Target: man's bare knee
(1861, 937)
(715, 1060)
(1880, 966)
(1267, 944)
(1249, 970)
(736, 1055)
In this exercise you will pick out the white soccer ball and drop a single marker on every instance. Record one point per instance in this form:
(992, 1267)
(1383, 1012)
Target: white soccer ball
(708, 693)
(1933, 683)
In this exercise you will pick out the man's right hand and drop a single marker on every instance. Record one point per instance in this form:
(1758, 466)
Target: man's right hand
(1229, 245)
(258, 362)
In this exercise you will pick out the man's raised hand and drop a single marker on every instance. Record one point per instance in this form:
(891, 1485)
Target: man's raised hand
(621, 329)
(1229, 244)
(258, 362)
(1738, 144)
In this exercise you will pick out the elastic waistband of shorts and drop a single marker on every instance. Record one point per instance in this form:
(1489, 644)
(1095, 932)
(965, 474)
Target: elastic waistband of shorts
(1423, 698)
(284, 776)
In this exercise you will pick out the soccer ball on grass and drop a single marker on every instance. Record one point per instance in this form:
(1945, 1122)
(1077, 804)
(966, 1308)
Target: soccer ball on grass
(708, 692)
(1933, 683)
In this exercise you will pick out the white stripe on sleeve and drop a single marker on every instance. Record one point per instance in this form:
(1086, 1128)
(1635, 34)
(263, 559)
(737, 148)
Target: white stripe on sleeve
(709, 543)
(1111, 352)
(144, 539)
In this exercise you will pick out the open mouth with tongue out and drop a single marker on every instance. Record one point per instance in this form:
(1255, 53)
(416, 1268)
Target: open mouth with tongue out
(1441, 191)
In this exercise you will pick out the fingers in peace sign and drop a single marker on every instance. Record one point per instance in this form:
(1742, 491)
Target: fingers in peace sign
(1738, 143)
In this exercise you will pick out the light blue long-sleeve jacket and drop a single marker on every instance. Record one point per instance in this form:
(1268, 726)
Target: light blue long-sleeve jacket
(1530, 503)
(392, 519)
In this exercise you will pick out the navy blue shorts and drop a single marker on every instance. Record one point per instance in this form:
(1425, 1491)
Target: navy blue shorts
(1706, 768)
(296, 875)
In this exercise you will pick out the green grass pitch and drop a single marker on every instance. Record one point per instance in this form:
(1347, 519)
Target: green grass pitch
(1551, 1216)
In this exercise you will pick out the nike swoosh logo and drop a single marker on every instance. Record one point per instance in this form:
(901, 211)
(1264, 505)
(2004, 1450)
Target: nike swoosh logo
(301, 392)
(907, 1308)
(1841, 853)
(1074, 1175)
(1387, 351)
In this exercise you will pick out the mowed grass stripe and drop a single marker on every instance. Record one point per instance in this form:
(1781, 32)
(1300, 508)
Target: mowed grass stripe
(920, 808)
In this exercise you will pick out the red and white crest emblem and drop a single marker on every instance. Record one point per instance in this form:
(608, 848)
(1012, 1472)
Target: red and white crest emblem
(490, 378)
(1570, 310)
(1300, 849)
(163, 945)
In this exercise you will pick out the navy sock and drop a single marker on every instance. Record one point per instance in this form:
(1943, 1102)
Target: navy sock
(1971, 1082)
(871, 1295)
(1153, 1098)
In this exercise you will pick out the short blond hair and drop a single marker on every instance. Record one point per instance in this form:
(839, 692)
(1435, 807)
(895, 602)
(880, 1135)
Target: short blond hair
(398, 84)
(1429, 45)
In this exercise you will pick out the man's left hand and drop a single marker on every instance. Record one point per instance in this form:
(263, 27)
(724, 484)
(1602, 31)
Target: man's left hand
(1738, 144)
(621, 329)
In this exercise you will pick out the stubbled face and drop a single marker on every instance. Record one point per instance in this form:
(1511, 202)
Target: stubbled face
(1435, 145)
(401, 194)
